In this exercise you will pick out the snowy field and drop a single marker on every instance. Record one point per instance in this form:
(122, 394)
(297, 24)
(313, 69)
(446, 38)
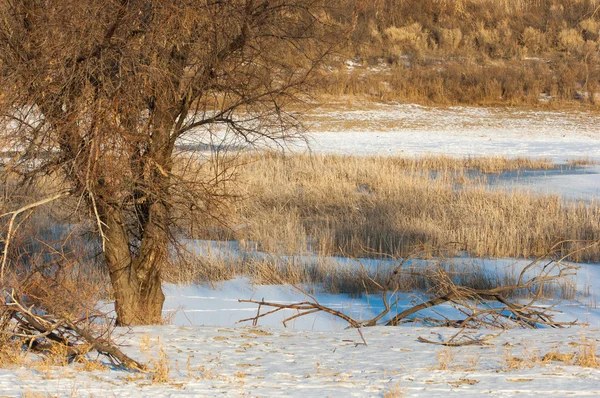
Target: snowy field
(264, 362)
(411, 130)
(414, 130)
(209, 354)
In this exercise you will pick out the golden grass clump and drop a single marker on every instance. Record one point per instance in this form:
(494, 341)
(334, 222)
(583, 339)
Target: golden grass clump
(161, 368)
(570, 40)
(534, 40)
(586, 357)
(407, 39)
(450, 39)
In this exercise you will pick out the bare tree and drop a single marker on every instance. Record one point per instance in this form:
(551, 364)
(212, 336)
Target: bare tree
(100, 93)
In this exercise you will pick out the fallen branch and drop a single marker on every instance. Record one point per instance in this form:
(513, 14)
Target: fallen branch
(306, 307)
(481, 308)
(42, 331)
(464, 341)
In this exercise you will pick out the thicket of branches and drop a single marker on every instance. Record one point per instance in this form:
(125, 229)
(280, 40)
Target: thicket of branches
(99, 96)
(521, 303)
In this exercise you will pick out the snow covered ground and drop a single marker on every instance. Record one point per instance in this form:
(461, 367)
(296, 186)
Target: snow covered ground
(209, 354)
(409, 130)
(217, 304)
(205, 352)
(262, 362)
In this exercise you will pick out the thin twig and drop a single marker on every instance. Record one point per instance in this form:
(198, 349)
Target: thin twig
(14, 215)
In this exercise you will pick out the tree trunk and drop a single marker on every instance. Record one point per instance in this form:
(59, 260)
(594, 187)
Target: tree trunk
(136, 281)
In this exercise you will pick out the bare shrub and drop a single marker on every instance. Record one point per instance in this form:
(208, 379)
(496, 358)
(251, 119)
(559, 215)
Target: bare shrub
(101, 106)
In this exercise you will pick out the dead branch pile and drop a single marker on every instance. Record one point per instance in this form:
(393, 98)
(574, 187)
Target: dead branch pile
(47, 333)
(496, 307)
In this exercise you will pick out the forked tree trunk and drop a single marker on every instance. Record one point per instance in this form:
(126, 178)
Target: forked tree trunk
(136, 281)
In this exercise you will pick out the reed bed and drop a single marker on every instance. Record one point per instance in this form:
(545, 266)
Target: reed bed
(344, 205)
(356, 277)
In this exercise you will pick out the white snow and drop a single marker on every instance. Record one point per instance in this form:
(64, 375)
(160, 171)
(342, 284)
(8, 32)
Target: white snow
(209, 354)
(261, 362)
(410, 130)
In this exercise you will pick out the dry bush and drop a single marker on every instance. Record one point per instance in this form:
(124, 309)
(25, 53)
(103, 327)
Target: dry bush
(534, 40)
(487, 40)
(50, 306)
(474, 52)
(411, 40)
(533, 82)
(570, 41)
(450, 39)
(590, 28)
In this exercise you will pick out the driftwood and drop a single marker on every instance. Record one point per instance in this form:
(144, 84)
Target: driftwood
(303, 308)
(42, 332)
(481, 308)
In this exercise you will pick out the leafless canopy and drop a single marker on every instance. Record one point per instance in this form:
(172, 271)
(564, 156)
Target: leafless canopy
(100, 93)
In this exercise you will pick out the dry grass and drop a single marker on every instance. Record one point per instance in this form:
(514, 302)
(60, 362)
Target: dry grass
(395, 391)
(353, 206)
(161, 368)
(566, 358)
(528, 82)
(446, 359)
(584, 356)
(353, 276)
(12, 353)
(334, 205)
(473, 52)
(529, 359)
